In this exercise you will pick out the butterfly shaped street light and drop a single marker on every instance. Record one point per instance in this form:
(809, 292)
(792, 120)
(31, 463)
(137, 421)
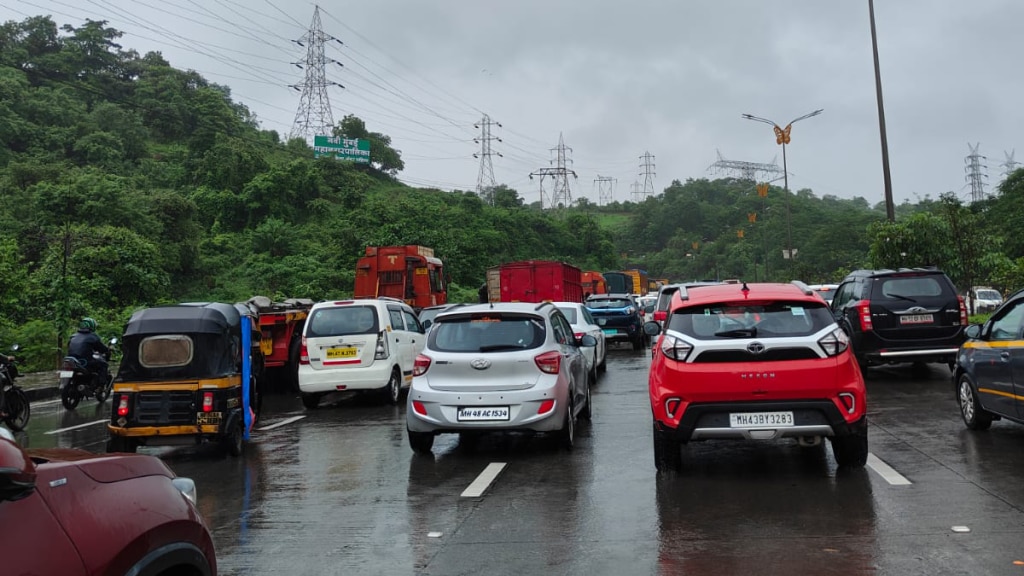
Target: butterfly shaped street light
(782, 138)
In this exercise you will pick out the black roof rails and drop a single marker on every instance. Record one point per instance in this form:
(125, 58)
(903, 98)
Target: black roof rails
(543, 304)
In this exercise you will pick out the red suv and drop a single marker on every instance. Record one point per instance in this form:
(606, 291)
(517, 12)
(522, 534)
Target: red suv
(74, 513)
(755, 362)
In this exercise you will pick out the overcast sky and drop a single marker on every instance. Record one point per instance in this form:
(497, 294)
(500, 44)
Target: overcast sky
(617, 79)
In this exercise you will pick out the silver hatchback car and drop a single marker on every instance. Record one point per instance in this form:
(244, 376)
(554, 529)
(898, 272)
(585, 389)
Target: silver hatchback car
(499, 367)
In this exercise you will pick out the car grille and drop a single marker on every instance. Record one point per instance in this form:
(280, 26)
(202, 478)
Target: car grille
(165, 407)
(773, 355)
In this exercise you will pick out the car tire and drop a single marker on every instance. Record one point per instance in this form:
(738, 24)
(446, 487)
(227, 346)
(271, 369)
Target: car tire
(851, 451)
(587, 412)
(234, 439)
(592, 376)
(603, 366)
(975, 417)
(310, 401)
(667, 457)
(567, 435)
(421, 442)
(392, 391)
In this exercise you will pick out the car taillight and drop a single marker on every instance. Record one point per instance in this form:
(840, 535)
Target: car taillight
(381, 351)
(549, 362)
(122, 405)
(303, 352)
(660, 315)
(864, 313)
(675, 348)
(546, 406)
(422, 364)
(578, 335)
(963, 311)
(835, 342)
(207, 401)
(419, 408)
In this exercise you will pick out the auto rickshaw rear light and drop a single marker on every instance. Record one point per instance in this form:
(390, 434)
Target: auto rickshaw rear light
(207, 401)
(546, 406)
(122, 406)
(381, 351)
(864, 313)
(963, 311)
(549, 362)
(303, 352)
(419, 408)
(421, 365)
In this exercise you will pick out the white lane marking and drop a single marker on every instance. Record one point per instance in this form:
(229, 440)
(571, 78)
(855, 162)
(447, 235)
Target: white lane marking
(86, 425)
(483, 481)
(886, 472)
(46, 402)
(284, 422)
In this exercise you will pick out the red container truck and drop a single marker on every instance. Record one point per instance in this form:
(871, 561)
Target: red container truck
(535, 281)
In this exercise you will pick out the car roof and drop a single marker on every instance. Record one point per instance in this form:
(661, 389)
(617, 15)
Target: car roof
(890, 272)
(518, 307)
(754, 291)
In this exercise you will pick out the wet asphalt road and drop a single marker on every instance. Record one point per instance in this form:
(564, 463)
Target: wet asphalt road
(338, 491)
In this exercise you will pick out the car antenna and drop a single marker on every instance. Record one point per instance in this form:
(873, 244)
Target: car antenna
(745, 288)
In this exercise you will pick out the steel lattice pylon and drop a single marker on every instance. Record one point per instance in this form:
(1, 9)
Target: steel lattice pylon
(314, 115)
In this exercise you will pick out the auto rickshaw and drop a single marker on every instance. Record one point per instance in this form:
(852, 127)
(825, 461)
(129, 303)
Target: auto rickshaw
(184, 379)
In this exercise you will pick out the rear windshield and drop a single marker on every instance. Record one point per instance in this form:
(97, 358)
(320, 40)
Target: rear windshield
(908, 287)
(487, 333)
(342, 320)
(751, 320)
(609, 303)
(989, 295)
(570, 314)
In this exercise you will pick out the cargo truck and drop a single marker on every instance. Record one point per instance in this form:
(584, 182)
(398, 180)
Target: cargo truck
(593, 283)
(280, 326)
(534, 281)
(409, 273)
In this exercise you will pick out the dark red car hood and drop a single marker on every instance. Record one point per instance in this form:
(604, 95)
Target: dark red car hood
(100, 467)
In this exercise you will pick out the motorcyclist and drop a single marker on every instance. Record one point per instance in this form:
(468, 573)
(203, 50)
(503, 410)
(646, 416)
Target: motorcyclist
(86, 346)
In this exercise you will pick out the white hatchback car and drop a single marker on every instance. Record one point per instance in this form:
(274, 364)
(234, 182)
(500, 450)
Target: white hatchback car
(367, 345)
(583, 322)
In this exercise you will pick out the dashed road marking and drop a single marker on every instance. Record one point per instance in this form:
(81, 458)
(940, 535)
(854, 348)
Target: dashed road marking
(887, 472)
(86, 425)
(284, 422)
(483, 481)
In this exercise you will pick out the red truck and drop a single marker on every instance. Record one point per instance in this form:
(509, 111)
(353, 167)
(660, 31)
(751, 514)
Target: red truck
(281, 326)
(535, 281)
(410, 273)
(593, 283)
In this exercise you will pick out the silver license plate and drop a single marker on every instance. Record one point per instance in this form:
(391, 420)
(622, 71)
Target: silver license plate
(67, 374)
(917, 319)
(761, 419)
(483, 413)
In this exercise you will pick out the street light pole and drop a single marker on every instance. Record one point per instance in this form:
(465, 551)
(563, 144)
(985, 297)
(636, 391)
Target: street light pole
(782, 138)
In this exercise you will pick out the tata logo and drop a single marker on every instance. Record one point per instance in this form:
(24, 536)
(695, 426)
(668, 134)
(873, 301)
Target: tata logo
(755, 348)
(757, 375)
(481, 363)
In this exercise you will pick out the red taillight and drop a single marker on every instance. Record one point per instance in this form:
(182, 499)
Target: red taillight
(864, 313)
(68, 365)
(660, 315)
(207, 401)
(578, 335)
(422, 364)
(549, 362)
(419, 408)
(963, 311)
(546, 406)
(303, 352)
(122, 406)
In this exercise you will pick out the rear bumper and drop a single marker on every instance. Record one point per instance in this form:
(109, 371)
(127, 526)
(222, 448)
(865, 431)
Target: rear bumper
(875, 350)
(810, 417)
(442, 409)
(373, 377)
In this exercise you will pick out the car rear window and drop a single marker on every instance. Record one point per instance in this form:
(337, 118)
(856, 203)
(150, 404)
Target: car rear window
(609, 303)
(570, 314)
(342, 320)
(487, 333)
(901, 288)
(989, 295)
(751, 320)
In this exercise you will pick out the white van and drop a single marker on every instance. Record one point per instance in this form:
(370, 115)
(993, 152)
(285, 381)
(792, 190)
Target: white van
(363, 345)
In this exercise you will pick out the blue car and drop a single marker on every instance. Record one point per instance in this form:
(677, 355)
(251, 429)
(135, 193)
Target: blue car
(619, 317)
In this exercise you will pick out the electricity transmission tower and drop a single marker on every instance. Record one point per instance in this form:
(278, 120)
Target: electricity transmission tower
(636, 191)
(1009, 165)
(605, 189)
(560, 192)
(975, 172)
(314, 115)
(485, 179)
(745, 170)
(647, 171)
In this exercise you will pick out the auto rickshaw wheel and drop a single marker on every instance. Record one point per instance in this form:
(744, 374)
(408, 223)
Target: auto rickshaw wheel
(233, 438)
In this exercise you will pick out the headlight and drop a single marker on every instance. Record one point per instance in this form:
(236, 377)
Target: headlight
(187, 488)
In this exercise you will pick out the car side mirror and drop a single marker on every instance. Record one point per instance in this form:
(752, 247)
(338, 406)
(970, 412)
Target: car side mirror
(973, 331)
(17, 472)
(587, 341)
(652, 328)
(427, 324)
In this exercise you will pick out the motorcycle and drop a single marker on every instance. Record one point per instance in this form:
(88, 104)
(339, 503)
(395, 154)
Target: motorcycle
(77, 382)
(15, 408)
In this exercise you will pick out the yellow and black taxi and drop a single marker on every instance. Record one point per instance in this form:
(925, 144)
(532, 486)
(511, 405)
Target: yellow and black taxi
(989, 373)
(184, 379)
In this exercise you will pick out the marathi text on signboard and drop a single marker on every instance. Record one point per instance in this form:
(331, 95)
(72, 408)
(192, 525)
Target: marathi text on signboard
(342, 148)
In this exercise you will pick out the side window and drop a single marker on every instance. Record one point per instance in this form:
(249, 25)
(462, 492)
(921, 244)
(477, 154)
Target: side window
(396, 318)
(558, 325)
(842, 295)
(587, 317)
(1007, 326)
(412, 324)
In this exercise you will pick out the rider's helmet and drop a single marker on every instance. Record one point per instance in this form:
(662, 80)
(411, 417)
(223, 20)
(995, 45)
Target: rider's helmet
(87, 324)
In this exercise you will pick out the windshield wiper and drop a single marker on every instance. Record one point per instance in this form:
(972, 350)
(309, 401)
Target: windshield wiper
(738, 333)
(496, 347)
(901, 297)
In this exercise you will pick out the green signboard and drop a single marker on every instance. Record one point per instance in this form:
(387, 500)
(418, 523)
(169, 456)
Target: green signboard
(342, 148)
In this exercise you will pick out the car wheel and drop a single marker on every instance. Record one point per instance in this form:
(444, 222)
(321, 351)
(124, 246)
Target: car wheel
(851, 451)
(667, 457)
(975, 417)
(587, 412)
(421, 442)
(567, 435)
(603, 366)
(393, 390)
(311, 401)
(233, 440)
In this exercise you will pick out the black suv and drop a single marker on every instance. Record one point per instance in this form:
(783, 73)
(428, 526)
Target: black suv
(619, 317)
(905, 315)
